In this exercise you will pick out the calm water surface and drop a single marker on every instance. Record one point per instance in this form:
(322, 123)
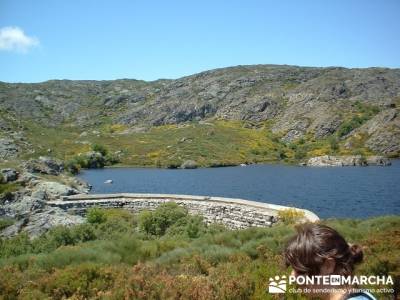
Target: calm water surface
(329, 192)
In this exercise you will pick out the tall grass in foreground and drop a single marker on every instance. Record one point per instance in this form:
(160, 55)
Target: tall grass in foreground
(169, 254)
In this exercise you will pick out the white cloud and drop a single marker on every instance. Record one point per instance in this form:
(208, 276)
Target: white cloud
(14, 39)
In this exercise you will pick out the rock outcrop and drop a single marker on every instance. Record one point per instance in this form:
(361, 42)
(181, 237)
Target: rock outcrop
(39, 222)
(28, 206)
(44, 165)
(343, 161)
(8, 175)
(189, 164)
(53, 190)
(8, 149)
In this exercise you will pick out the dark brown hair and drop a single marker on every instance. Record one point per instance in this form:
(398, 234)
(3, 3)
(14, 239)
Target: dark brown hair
(313, 243)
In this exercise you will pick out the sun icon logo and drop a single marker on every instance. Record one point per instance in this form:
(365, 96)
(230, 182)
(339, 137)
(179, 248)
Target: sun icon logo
(277, 284)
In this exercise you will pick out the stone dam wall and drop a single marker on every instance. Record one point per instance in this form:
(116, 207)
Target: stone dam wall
(234, 213)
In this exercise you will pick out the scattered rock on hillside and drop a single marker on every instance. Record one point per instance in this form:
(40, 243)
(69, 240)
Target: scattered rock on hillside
(21, 206)
(44, 165)
(80, 185)
(351, 160)
(382, 132)
(41, 222)
(296, 131)
(28, 206)
(54, 190)
(189, 164)
(28, 179)
(378, 160)
(283, 94)
(8, 174)
(8, 149)
(13, 229)
(385, 142)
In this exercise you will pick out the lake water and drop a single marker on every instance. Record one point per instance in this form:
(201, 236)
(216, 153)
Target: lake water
(356, 192)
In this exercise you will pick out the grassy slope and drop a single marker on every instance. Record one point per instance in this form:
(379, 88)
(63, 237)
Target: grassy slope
(118, 260)
(213, 143)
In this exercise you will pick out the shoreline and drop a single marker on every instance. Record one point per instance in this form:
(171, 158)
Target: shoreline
(297, 164)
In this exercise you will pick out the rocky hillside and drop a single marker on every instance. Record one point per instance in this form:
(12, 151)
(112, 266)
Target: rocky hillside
(231, 116)
(358, 107)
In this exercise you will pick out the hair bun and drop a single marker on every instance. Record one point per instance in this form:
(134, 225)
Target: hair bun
(356, 253)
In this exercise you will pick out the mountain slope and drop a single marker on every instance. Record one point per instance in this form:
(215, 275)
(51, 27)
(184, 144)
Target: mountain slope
(359, 108)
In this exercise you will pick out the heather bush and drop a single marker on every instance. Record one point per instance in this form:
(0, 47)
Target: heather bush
(188, 261)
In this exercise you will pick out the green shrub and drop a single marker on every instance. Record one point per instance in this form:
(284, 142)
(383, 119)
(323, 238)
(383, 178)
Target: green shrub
(118, 222)
(78, 282)
(218, 264)
(73, 166)
(333, 142)
(83, 233)
(99, 159)
(174, 256)
(95, 162)
(63, 236)
(111, 159)
(96, 215)
(300, 153)
(348, 126)
(216, 254)
(366, 112)
(281, 154)
(157, 222)
(82, 161)
(189, 226)
(100, 148)
(15, 246)
(127, 247)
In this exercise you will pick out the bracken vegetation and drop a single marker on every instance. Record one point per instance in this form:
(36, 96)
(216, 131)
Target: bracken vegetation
(169, 254)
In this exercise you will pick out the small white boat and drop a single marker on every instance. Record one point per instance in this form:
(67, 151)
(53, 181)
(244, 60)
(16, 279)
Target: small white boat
(243, 165)
(108, 181)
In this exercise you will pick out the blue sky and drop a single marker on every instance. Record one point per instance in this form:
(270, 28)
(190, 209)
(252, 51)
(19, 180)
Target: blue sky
(54, 39)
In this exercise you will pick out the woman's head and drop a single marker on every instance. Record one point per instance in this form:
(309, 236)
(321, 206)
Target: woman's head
(317, 249)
